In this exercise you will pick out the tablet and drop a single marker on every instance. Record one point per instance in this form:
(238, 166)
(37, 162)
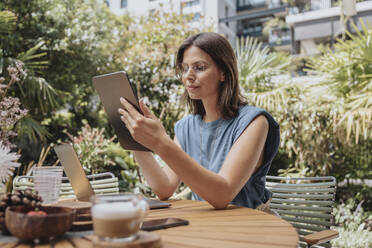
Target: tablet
(110, 87)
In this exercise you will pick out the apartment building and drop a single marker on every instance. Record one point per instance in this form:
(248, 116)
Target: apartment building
(301, 27)
(324, 22)
(206, 12)
(250, 19)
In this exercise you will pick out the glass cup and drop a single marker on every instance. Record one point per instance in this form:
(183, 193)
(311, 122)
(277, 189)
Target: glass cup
(118, 218)
(48, 181)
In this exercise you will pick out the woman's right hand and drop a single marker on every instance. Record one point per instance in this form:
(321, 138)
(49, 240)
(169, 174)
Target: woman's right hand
(146, 129)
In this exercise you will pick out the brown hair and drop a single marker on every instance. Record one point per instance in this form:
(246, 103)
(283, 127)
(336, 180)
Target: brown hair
(220, 50)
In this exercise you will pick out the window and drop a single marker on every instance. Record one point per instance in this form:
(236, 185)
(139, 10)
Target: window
(196, 17)
(252, 29)
(250, 4)
(123, 4)
(192, 3)
(107, 2)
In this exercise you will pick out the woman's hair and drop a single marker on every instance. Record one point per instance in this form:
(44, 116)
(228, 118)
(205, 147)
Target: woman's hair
(220, 50)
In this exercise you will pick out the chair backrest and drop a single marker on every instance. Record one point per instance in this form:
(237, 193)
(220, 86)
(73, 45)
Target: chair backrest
(102, 183)
(306, 203)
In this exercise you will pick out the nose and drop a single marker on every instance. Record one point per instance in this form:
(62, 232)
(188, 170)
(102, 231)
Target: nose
(189, 75)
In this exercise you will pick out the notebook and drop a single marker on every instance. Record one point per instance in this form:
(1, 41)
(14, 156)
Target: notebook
(79, 181)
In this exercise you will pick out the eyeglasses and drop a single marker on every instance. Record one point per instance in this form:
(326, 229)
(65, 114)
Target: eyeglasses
(195, 68)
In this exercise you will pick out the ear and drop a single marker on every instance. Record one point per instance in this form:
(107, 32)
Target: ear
(222, 76)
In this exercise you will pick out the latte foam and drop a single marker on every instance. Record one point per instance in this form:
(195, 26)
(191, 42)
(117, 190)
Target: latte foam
(115, 210)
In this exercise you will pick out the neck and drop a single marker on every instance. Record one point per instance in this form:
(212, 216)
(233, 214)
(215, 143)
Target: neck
(211, 111)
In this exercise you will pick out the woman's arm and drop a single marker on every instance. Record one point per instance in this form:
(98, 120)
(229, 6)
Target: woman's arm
(163, 181)
(218, 189)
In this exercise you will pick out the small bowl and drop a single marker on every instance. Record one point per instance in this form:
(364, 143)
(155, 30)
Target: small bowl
(29, 228)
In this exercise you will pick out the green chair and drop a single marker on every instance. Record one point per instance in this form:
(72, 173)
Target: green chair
(102, 183)
(307, 204)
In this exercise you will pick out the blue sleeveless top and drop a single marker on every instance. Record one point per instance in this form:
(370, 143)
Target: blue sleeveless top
(209, 144)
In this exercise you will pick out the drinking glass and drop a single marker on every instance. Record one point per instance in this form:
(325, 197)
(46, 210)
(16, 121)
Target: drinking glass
(118, 218)
(48, 181)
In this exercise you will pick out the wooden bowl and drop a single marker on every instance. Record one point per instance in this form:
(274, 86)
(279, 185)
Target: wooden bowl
(29, 228)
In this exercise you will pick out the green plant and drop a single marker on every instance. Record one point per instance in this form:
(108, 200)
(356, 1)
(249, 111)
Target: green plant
(62, 45)
(352, 239)
(7, 22)
(350, 215)
(257, 66)
(305, 131)
(309, 111)
(91, 147)
(351, 220)
(21, 67)
(347, 74)
(127, 170)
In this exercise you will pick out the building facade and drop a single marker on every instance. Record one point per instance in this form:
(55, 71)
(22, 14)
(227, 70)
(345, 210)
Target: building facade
(250, 19)
(206, 12)
(326, 21)
(297, 28)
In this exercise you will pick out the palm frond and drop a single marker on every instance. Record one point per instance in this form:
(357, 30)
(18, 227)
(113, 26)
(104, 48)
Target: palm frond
(347, 72)
(30, 128)
(257, 65)
(28, 58)
(357, 121)
(273, 100)
(38, 90)
(7, 22)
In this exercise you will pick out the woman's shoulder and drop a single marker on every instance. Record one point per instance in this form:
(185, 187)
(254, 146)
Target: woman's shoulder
(244, 109)
(249, 113)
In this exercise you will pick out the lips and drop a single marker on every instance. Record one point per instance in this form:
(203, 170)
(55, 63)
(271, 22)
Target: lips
(192, 87)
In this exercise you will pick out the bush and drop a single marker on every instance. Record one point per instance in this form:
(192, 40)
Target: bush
(352, 226)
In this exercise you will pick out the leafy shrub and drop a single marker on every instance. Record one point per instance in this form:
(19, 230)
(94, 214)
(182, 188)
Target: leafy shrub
(350, 216)
(353, 239)
(351, 221)
(91, 147)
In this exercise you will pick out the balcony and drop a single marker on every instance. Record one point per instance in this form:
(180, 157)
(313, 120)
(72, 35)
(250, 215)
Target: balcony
(250, 4)
(242, 5)
(279, 36)
(313, 5)
(325, 23)
(249, 29)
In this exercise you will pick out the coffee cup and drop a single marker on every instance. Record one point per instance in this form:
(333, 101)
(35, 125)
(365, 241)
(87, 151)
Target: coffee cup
(118, 218)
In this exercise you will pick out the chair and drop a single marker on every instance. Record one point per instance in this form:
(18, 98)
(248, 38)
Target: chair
(102, 183)
(307, 204)
(184, 194)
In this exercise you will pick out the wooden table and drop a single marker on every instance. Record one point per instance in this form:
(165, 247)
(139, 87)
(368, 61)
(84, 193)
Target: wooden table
(232, 227)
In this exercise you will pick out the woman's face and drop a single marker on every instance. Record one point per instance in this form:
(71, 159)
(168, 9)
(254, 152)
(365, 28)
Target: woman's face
(200, 74)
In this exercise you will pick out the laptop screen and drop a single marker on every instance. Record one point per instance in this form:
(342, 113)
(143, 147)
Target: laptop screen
(74, 171)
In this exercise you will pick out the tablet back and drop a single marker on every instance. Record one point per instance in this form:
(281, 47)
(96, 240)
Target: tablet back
(110, 88)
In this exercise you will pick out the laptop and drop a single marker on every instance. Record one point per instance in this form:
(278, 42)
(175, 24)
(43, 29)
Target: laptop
(79, 181)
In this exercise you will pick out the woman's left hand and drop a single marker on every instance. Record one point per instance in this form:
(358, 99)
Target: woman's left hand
(146, 129)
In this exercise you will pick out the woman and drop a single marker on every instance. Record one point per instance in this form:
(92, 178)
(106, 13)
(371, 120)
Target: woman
(224, 148)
